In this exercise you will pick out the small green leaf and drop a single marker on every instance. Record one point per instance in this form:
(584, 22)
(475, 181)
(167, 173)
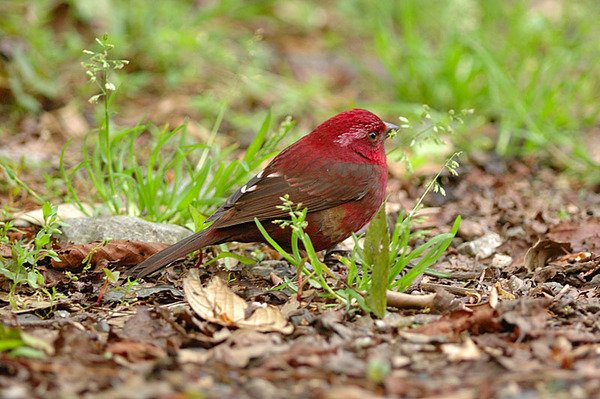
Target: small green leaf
(258, 141)
(198, 217)
(32, 279)
(378, 369)
(240, 258)
(41, 240)
(20, 344)
(376, 250)
(111, 276)
(46, 210)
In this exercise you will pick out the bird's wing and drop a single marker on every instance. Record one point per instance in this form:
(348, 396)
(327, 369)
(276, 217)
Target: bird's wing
(332, 185)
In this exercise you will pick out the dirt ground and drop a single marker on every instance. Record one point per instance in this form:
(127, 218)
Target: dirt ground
(519, 318)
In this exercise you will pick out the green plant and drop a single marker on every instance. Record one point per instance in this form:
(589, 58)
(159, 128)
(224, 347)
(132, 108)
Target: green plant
(112, 279)
(508, 60)
(16, 181)
(376, 269)
(172, 183)
(20, 269)
(376, 252)
(405, 263)
(300, 241)
(20, 344)
(384, 259)
(425, 131)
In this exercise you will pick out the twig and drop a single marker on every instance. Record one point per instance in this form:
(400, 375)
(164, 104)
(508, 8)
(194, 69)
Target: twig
(453, 290)
(401, 300)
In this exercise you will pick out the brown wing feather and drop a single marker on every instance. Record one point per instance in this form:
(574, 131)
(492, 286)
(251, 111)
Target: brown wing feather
(337, 183)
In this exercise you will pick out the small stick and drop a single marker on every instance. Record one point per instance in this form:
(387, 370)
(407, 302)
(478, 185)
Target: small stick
(401, 300)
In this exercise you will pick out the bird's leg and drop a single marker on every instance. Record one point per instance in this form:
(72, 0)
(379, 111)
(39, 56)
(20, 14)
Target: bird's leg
(199, 259)
(299, 281)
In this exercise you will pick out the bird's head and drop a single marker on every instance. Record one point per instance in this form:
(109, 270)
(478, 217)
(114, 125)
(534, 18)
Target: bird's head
(357, 130)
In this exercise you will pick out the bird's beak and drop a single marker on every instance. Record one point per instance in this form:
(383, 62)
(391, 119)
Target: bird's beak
(389, 128)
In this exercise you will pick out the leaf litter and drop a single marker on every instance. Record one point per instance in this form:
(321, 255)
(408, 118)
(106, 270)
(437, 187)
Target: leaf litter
(519, 316)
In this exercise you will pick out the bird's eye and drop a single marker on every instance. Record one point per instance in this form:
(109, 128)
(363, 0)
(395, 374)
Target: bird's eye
(373, 135)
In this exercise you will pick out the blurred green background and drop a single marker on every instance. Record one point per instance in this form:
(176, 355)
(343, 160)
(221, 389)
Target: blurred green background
(529, 69)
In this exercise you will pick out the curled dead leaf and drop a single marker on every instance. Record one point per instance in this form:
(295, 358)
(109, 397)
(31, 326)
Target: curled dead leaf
(464, 351)
(218, 304)
(135, 351)
(544, 251)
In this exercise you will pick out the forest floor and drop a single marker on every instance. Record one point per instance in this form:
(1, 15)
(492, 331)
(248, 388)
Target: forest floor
(518, 318)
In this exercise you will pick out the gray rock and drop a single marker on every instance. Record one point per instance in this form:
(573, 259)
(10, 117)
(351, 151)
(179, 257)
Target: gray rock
(84, 230)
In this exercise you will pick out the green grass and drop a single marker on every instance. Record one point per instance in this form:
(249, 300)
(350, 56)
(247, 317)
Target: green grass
(20, 268)
(532, 75)
(527, 68)
(172, 179)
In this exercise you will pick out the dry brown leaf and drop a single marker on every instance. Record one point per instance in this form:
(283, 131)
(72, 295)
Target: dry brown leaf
(218, 304)
(583, 236)
(544, 251)
(502, 293)
(122, 252)
(5, 251)
(348, 392)
(476, 319)
(244, 345)
(135, 351)
(465, 351)
(573, 258)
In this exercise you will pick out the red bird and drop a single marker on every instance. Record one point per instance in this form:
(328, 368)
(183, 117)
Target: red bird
(338, 171)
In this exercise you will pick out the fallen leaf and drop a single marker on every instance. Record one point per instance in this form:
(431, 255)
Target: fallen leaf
(503, 293)
(544, 251)
(493, 297)
(27, 303)
(465, 351)
(583, 236)
(5, 251)
(147, 326)
(122, 252)
(192, 355)
(135, 351)
(576, 257)
(500, 261)
(525, 315)
(218, 304)
(245, 345)
(476, 319)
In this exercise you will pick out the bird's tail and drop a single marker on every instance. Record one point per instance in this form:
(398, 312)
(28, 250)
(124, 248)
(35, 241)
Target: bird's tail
(176, 251)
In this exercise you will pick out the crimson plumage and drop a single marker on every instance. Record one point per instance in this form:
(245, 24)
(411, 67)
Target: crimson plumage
(338, 172)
